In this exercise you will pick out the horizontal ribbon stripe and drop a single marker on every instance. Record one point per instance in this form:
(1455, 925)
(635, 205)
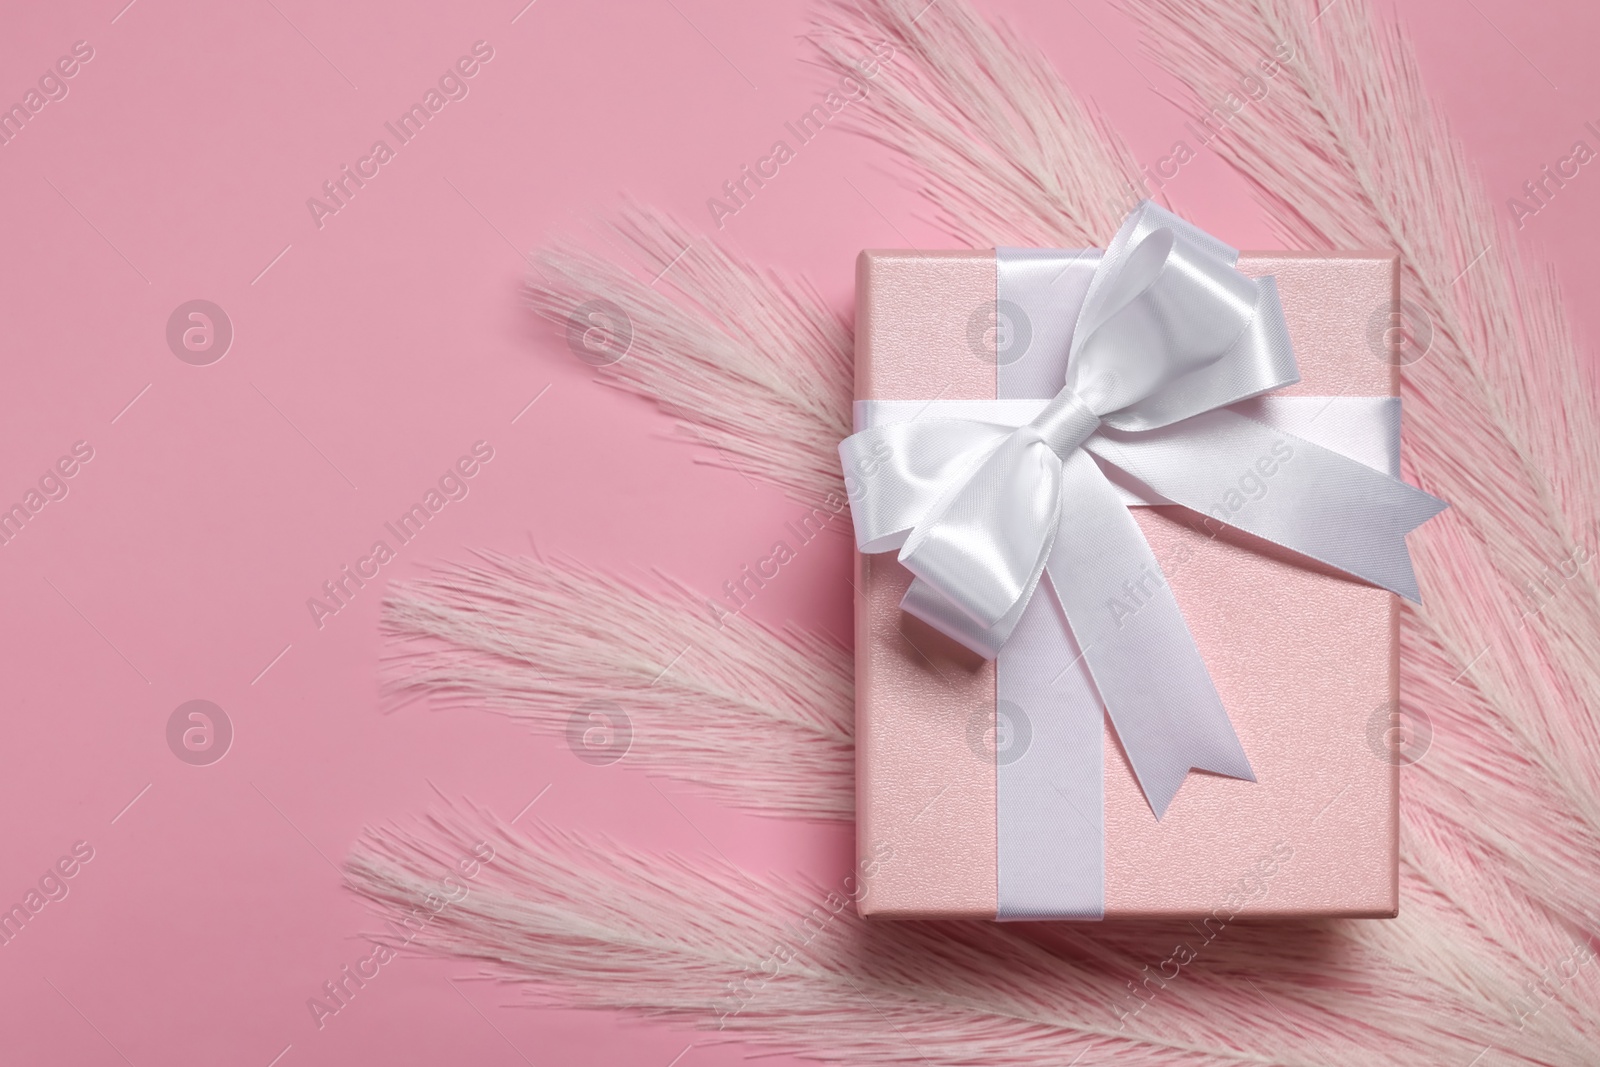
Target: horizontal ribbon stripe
(1362, 428)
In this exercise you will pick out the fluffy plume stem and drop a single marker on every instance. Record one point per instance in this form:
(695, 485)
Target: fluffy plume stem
(1346, 151)
(758, 719)
(752, 364)
(1003, 151)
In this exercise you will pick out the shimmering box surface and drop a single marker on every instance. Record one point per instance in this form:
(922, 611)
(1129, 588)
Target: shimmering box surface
(1306, 660)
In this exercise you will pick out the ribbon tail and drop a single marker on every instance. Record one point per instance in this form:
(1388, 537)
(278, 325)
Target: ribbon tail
(1283, 489)
(1050, 776)
(1136, 644)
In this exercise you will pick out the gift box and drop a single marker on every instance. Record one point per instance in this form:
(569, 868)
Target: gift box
(1304, 657)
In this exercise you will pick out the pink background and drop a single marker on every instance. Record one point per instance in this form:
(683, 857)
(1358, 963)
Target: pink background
(367, 356)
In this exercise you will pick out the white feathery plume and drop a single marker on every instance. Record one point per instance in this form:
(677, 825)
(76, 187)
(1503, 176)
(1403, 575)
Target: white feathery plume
(759, 719)
(751, 363)
(754, 366)
(1346, 150)
(597, 925)
(1001, 149)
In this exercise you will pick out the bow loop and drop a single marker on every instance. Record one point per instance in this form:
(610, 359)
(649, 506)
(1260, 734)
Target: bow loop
(1167, 317)
(1166, 313)
(983, 544)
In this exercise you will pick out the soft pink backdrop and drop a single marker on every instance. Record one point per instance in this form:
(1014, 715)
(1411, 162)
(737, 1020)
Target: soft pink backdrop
(366, 358)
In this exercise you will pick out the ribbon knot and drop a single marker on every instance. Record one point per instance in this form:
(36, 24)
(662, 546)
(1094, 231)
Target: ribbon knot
(1065, 423)
(985, 507)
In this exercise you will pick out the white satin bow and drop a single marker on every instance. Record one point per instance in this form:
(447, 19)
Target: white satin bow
(1169, 335)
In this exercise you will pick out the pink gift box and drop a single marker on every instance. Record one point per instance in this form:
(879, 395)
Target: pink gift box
(1305, 659)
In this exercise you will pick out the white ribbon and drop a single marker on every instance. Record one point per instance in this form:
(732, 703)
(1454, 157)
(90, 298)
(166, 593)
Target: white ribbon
(1168, 347)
